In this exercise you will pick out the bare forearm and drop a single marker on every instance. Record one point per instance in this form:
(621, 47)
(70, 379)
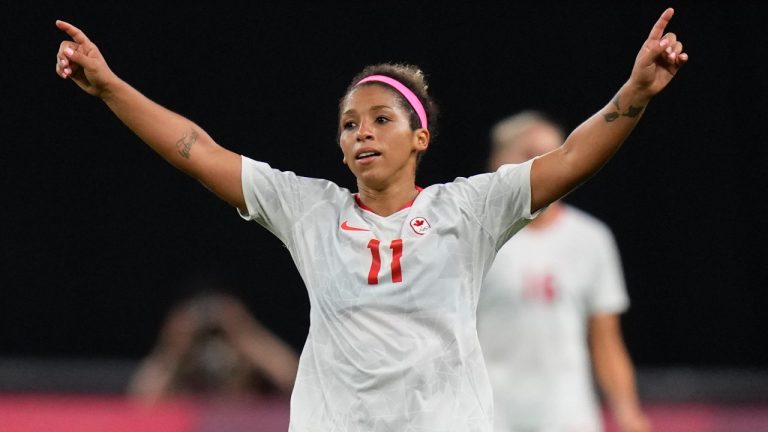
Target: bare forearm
(597, 139)
(587, 149)
(615, 374)
(275, 360)
(178, 140)
(593, 143)
(171, 135)
(267, 353)
(616, 378)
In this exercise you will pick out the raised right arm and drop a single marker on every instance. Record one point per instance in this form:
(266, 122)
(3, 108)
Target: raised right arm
(177, 139)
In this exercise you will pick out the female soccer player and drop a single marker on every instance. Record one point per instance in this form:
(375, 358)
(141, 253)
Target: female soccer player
(392, 271)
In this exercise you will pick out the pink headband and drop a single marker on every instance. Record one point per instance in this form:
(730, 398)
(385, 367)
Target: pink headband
(405, 91)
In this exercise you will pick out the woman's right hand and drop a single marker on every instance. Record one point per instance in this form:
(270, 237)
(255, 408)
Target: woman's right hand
(80, 60)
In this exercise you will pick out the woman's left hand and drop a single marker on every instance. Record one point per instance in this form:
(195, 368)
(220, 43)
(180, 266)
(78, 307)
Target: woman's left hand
(659, 59)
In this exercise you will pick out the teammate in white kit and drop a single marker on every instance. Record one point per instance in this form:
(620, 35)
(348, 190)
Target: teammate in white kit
(393, 272)
(549, 310)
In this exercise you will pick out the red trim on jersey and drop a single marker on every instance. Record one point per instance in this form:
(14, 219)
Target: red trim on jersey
(373, 273)
(366, 208)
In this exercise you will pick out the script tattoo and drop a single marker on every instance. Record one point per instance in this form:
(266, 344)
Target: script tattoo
(184, 145)
(632, 111)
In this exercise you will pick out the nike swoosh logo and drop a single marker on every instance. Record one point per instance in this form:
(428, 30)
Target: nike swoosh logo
(346, 227)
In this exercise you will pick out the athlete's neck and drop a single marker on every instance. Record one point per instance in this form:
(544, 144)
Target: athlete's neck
(388, 201)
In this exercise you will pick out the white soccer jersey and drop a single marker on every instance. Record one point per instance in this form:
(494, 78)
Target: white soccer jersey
(532, 322)
(392, 343)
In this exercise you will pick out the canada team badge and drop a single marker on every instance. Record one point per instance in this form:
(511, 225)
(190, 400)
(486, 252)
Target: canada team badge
(420, 225)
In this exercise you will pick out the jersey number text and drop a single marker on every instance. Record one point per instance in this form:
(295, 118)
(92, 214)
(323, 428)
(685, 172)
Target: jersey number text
(397, 253)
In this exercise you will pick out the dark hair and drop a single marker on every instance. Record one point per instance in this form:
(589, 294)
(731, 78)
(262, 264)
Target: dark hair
(410, 76)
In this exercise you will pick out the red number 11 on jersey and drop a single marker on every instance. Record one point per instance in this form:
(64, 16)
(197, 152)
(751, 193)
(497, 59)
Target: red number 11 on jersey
(397, 253)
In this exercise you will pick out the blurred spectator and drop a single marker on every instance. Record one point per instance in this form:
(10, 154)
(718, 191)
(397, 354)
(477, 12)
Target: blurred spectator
(548, 314)
(211, 346)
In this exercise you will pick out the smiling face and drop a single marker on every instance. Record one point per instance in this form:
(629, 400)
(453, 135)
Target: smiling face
(378, 144)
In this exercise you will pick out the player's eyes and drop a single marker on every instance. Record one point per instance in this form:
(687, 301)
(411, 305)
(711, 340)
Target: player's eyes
(351, 124)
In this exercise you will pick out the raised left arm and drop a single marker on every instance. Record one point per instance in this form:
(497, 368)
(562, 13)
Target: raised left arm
(597, 139)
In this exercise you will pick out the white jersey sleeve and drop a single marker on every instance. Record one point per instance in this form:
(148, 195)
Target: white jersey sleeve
(500, 201)
(277, 200)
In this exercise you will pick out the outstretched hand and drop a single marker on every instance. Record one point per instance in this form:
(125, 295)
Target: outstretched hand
(80, 60)
(659, 59)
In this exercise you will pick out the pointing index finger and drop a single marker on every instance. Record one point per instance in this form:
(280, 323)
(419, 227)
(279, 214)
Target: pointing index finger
(75, 33)
(658, 29)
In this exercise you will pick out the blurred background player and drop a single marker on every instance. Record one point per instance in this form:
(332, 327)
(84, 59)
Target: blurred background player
(549, 310)
(211, 346)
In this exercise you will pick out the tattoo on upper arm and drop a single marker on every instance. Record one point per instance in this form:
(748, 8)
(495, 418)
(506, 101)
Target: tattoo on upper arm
(184, 144)
(632, 111)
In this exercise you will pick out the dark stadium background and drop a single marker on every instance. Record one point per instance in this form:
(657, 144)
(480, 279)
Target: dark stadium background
(100, 236)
